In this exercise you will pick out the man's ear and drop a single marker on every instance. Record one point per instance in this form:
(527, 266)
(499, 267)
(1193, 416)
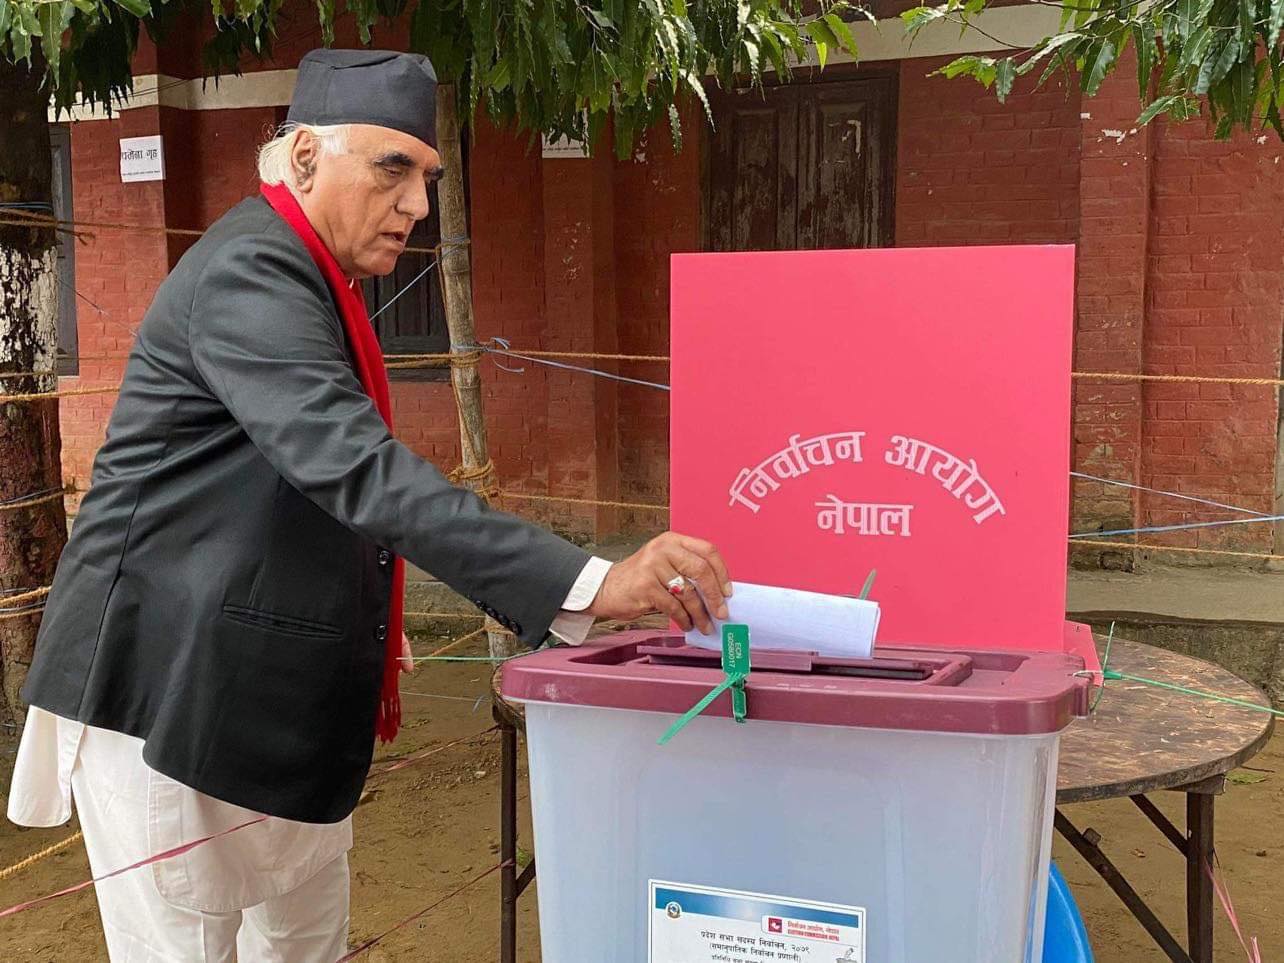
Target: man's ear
(303, 161)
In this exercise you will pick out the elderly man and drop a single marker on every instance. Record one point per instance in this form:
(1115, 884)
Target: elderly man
(222, 641)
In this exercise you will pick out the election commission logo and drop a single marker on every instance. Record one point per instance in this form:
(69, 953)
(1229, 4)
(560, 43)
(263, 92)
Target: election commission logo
(673, 910)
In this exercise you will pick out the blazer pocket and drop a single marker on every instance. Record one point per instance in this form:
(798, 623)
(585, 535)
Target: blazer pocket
(281, 624)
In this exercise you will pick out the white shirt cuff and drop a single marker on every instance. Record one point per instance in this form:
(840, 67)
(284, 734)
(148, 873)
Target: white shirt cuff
(572, 623)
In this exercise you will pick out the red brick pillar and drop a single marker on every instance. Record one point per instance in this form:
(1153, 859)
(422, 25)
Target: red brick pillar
(580, 316)
(1114, 198)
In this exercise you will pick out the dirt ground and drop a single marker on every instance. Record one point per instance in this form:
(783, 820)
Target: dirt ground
(429, 828)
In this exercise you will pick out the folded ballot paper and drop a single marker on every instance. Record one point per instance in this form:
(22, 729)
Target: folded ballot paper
(781, 618)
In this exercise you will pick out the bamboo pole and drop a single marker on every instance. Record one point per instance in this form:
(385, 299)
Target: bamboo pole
(457, 289)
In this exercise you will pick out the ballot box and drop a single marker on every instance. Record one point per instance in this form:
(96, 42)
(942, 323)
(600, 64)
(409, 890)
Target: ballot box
(896, 809)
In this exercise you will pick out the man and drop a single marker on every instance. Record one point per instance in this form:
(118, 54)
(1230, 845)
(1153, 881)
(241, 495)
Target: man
(222, 638)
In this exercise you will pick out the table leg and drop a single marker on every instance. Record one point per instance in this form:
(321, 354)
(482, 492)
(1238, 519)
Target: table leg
(508, 844)
(1085, 843)
(1199, 887)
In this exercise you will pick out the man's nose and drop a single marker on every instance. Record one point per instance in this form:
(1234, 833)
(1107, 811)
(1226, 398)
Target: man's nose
(414, 201)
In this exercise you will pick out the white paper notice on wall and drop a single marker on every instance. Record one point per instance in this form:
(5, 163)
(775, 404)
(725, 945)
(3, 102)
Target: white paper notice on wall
(142, 159)
(564, 148)
(797, 621)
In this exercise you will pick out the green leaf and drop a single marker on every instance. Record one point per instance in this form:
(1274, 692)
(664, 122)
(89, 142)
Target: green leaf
(139, 8)
(54, 20)
(1047, 47)
(754, 56)
(842, 32)
(1244, 38)
(6, 15)
(28, 19)
(21, 42)
(1194, 50)
(669, 38)
(1185, 17)
(1265, 88)
(1169, 104)
(823, 37)
(1004, 76)
(1276, 22)
(1275, 121)
(1241, 83)
(775, 53)
(919, 17)
(981, 68)
(1098, 60)
(1144, 42)
(696, 84)
(500, 75)
(1221, 57)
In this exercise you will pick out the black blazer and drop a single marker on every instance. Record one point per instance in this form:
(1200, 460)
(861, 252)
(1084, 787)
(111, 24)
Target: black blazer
(224, 593)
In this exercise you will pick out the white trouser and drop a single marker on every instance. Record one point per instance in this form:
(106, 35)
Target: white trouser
(307, 924)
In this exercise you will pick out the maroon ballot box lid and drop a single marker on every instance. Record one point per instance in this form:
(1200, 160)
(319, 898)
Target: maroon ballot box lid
(970, 692)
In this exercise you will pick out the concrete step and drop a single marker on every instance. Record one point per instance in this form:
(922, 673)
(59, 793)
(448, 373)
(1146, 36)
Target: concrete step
(1232, 618)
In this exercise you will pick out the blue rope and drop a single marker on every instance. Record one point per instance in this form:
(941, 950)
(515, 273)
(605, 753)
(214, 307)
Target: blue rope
(1179, 528)
(410, 284)
(1160, 491)
(596, 372)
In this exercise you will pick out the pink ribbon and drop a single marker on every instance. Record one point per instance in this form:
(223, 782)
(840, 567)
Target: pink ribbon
(167, 854)
(1251, 949)
(189, 846)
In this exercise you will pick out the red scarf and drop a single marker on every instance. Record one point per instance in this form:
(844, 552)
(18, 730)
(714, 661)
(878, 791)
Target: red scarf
(367, 359)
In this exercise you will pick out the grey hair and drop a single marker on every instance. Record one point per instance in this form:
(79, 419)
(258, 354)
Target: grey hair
(274, 156)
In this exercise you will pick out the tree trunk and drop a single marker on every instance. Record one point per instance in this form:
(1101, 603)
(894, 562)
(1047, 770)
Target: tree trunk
(31, 538)
(457, 287)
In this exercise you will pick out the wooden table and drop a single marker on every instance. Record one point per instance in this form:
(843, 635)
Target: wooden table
(1140, 740)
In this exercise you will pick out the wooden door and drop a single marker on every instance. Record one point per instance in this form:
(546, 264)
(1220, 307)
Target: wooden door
(802, 166)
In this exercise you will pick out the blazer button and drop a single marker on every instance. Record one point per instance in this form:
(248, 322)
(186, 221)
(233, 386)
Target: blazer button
(384, 556)
(381, 633)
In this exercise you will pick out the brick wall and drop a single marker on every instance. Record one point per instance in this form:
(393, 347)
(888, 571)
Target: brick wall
(973, 171)
(1216, 299)
(1179, 271)
(657, 196)
(1115, 188)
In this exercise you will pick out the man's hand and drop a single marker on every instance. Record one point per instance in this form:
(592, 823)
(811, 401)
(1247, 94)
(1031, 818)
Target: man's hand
(407, 659)
(637, 586)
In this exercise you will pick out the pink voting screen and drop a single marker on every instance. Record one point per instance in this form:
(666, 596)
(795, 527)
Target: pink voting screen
(905, 410)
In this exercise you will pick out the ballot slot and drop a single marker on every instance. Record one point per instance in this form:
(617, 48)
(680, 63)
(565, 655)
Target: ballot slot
(946, 670)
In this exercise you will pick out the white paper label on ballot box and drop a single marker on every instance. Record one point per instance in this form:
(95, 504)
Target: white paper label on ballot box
(697, 924)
